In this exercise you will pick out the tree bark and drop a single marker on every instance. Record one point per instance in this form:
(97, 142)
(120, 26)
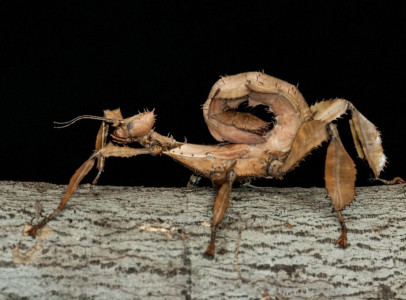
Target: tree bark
(138, 243)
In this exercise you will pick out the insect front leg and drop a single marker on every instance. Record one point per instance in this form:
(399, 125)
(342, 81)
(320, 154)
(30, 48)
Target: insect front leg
(101, 141)
(108, 151)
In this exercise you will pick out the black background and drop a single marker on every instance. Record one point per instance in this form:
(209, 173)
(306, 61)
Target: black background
(64, 59)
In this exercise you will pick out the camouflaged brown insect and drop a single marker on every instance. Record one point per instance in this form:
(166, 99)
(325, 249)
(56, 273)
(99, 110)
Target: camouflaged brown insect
(254, 148)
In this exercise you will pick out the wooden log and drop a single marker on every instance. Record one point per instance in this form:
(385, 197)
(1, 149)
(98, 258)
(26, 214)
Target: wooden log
(138, 243)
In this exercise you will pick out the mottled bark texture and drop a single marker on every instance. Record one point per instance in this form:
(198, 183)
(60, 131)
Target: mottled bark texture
(138, 243)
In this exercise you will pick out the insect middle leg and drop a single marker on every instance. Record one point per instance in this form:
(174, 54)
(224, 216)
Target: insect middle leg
(220, 207)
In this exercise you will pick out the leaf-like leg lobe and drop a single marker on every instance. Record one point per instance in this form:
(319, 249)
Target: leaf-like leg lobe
(220, 207)
(310, 135)
(339, 172)
(370, 140)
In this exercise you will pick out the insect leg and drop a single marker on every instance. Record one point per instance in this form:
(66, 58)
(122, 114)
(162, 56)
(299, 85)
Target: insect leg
(342, 240)
(340, 179)
(310, 135)
(365, 135)
(220, 207)
(101, 143)
(340, 172)
(193, 181)
(395, 180)
(82, 171)
(368, 143)
(101, 139)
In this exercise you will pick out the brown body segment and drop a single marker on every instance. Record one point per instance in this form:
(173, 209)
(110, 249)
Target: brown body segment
(210, 160)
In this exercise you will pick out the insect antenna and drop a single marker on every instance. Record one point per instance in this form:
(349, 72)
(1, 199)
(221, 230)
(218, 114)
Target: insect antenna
(68, 123)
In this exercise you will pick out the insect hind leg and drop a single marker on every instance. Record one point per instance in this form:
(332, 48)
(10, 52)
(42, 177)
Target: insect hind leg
(342, 240)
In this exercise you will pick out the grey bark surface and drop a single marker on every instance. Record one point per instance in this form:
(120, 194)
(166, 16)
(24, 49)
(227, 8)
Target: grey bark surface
(147, 243)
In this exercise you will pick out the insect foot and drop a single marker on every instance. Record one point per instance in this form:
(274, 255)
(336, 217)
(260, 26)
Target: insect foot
(342, 240)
